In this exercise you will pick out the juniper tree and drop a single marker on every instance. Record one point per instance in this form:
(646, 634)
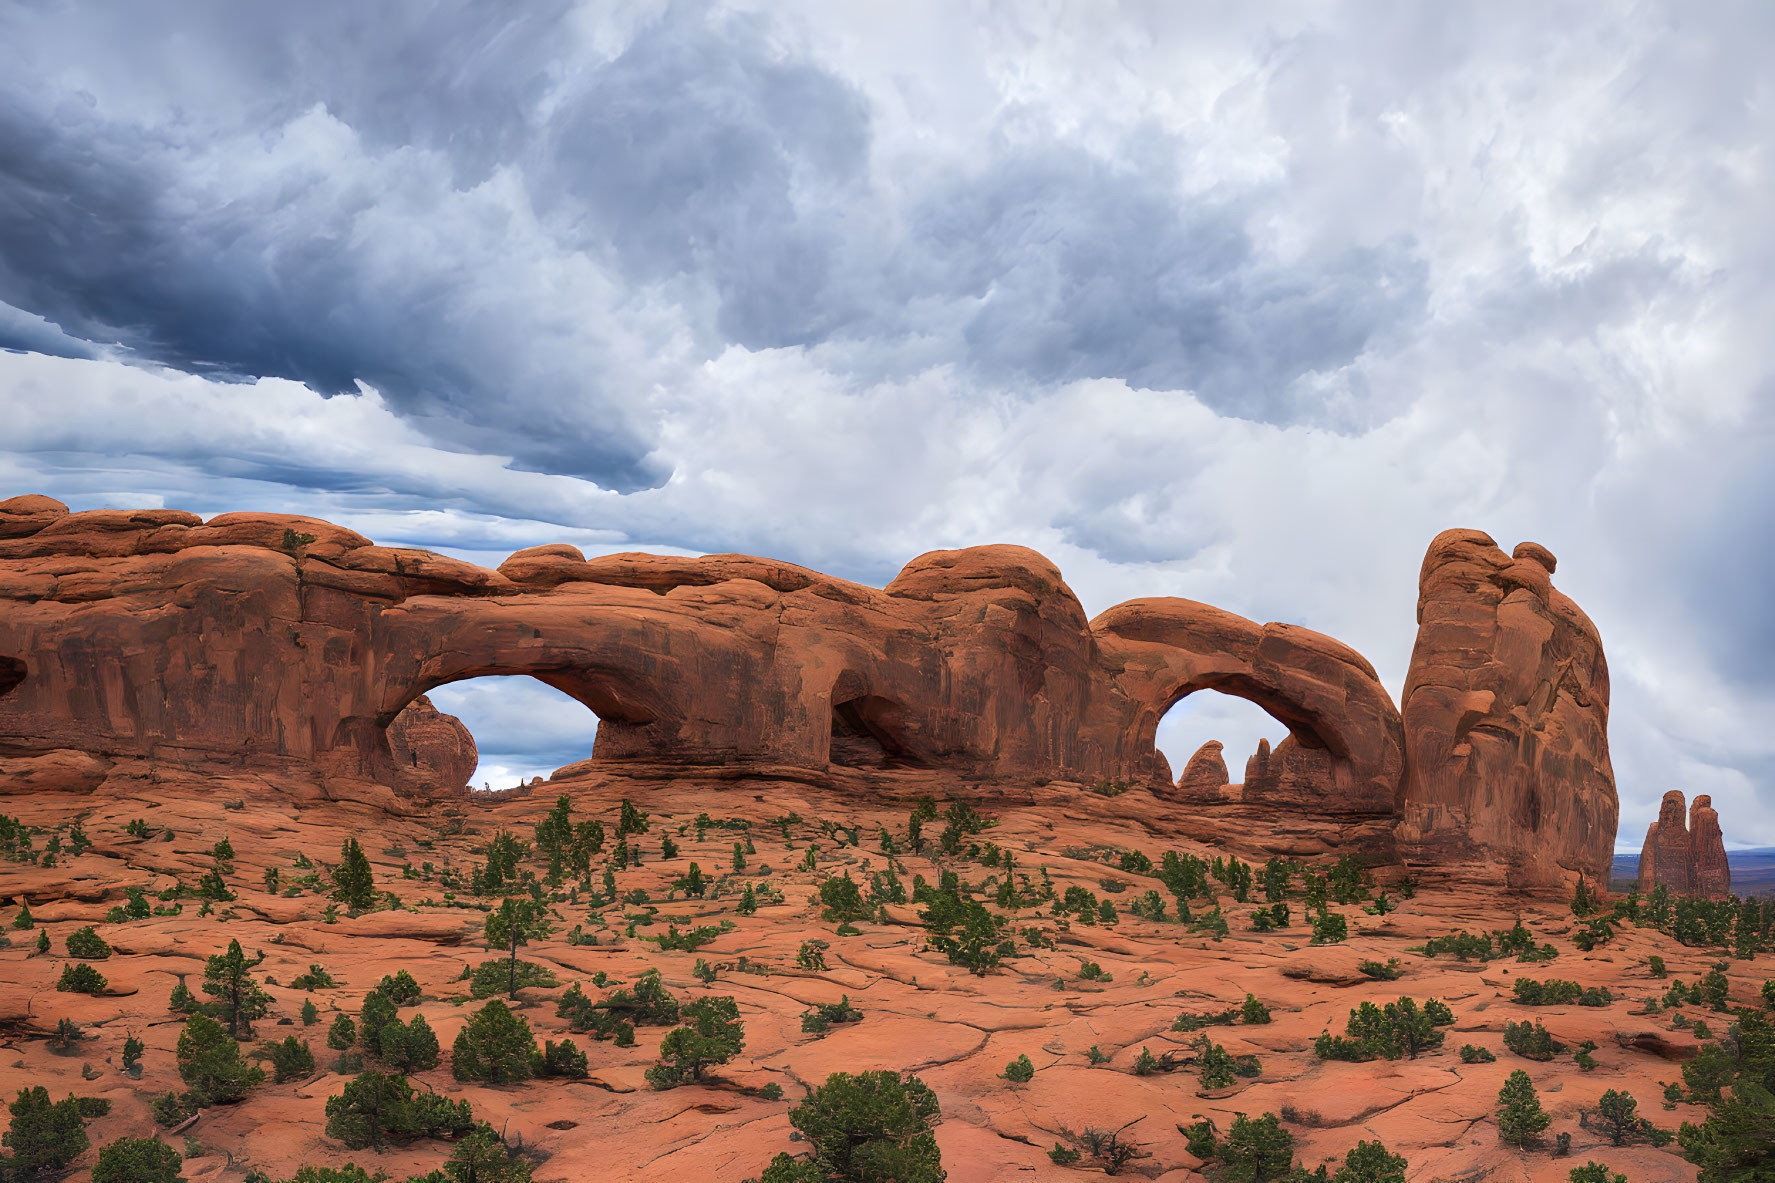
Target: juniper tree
(353, 883)
(1371, 1162)
(495, 1046)
(210, 1062)
(516, 922)
(1595, 1172)
(711, 1034)
(290, 1058)
(1521, 1119)
(1620, 1116)
(399, 988)
(482, 1157)
(227, 977)
(378, 1014)
(369, 1106)
(554, 837)
(44, 1135)
(341, 1036)
(81, 978)
(1257, 1150)
(411, 1046)
(871, 1125)
(632, 820)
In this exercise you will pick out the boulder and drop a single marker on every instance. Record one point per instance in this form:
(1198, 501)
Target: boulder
(433, 746)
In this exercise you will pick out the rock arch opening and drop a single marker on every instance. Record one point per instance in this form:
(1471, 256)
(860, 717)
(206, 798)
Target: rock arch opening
(12, 672)
(498, 731)
(1215, 741)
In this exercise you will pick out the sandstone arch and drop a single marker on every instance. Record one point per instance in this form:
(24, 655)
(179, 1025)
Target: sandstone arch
(290, 646)
(1345, 750)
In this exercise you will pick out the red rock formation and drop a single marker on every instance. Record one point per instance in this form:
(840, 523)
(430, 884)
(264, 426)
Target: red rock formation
(1691, 859)
(1667, 854)
(433, 745)
(1205, 776)
(1506, 722)
(1710, 875)
(279, 642)
(290, 647)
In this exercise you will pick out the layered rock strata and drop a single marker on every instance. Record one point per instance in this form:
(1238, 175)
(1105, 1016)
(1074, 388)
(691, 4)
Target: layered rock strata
(1687, 859)
(1506, 722)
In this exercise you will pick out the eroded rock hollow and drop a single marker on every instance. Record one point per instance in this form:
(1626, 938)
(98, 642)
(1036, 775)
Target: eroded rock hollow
(297, 652)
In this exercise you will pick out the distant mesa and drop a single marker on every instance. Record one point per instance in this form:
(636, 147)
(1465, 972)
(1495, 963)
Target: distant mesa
(1687, 859)
(301, 653)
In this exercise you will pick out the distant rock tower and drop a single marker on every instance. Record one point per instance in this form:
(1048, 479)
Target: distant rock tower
(1689, 859)
(1709, 873)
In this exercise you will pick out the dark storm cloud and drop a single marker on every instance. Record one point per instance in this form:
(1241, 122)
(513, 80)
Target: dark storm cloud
(1084, 270)
(515, 239)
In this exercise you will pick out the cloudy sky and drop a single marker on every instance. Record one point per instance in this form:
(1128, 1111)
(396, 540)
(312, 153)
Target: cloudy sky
(1197, 299)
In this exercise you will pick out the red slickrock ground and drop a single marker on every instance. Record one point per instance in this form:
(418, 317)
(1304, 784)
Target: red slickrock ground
(955, 1030)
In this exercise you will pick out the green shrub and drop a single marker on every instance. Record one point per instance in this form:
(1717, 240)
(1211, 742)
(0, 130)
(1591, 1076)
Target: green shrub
(1473, 1054)
(374, 1107)
(561, 1059)
(45, 1136)
(1531, 1041)
(499, 977)
(819, 1020)
(170, 1109)
(842, 900)
(1594, 1172)
(871, 1125)
(86, 943)
(399, 988)
(1019, 1071)
(1400, 1028)
(1329, 928)
(290, 1058)
(409, 1047)
(711, 1034)
(80, 978)
(138, 1160)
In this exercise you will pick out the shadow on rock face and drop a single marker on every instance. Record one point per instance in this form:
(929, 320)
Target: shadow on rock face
(12, 672)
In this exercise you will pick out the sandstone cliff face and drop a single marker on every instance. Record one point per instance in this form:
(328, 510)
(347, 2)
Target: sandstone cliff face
(1506, 721)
